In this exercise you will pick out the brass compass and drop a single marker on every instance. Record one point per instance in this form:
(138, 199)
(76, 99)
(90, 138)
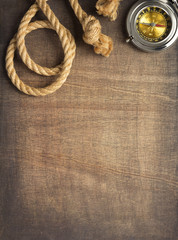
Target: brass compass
(153, 25)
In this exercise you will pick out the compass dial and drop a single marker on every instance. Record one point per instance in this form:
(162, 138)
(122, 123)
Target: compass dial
(153, 24)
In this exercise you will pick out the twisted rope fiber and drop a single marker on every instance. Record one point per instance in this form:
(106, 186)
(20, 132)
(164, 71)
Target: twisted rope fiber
(92, 35)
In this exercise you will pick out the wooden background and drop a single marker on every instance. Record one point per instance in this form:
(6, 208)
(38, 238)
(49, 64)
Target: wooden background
(97, 159)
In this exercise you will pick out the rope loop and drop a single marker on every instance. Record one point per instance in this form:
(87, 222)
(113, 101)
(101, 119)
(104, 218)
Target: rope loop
(18, 42)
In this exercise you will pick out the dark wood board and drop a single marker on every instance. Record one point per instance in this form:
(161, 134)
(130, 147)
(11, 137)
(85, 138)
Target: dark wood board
(97, 159)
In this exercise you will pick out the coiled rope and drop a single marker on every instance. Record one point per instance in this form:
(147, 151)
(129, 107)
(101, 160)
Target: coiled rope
(92, 35)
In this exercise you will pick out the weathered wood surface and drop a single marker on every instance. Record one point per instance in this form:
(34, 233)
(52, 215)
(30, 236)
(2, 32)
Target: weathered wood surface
(97, 159)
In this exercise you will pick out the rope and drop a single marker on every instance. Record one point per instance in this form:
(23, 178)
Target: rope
(92, 35)
(108, 8)
(62, 71)
(92, 31)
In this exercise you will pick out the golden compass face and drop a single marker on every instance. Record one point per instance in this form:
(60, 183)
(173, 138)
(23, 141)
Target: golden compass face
(153, 24)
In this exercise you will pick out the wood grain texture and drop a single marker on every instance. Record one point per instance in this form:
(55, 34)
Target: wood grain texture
(97, 159)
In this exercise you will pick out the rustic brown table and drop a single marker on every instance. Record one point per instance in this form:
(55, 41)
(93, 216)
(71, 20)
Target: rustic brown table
(97, 159)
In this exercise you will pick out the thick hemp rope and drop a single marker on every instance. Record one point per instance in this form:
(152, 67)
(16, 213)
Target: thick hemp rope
(92, 31)
(92, 35)
(18, 41)
(108, 8)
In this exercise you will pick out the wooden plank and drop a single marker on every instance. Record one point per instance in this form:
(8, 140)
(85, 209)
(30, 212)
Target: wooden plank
(97, 159)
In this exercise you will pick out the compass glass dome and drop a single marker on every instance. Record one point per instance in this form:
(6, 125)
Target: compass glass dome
(153, 24)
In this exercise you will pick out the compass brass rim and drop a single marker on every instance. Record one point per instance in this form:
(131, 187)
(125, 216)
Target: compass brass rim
(140, 42)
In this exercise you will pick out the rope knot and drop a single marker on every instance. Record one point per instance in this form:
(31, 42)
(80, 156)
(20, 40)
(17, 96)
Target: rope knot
(92, 35)
(92, 30)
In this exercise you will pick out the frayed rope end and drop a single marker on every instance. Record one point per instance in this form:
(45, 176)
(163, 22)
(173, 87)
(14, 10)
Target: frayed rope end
(108, 8)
